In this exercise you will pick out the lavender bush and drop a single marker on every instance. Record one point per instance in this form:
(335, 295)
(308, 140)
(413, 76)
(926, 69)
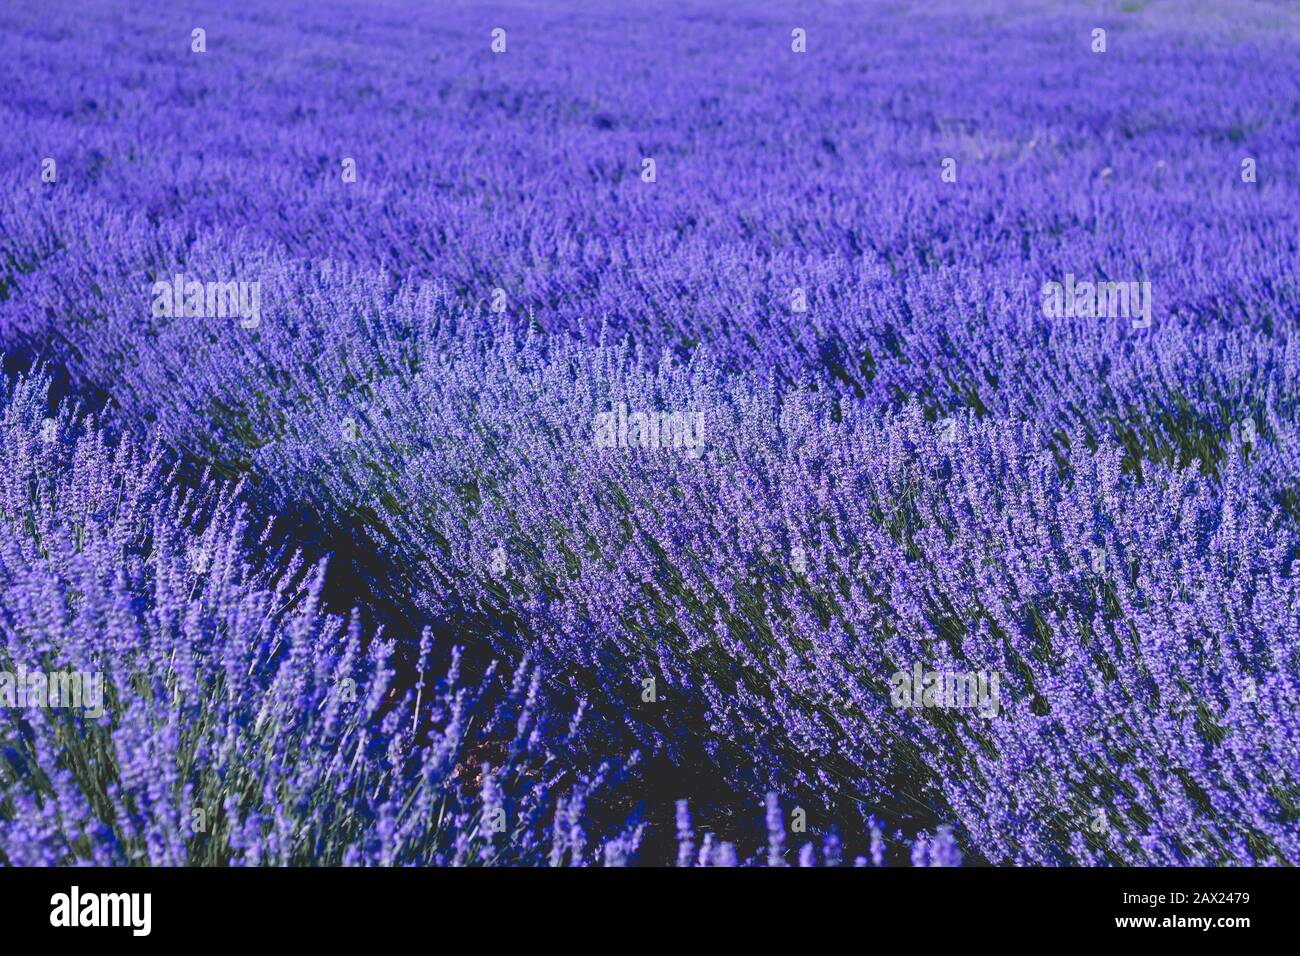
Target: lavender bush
(234, 722)
(775, 583)
(224, 719)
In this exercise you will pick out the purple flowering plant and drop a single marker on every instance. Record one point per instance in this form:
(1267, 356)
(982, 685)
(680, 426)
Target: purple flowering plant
(240, 724)
(771, 463)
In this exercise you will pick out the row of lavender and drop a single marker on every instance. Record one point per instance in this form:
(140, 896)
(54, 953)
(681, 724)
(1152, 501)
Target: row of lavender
(848, 449)
(800, 222)
(173, 694)
(790, 554)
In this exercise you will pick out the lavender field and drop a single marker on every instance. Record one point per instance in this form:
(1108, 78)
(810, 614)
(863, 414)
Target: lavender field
(601, 434)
